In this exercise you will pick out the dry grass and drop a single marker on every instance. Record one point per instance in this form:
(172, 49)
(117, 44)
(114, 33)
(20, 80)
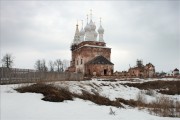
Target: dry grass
(165, 87)
(50, 92)
(54, 94)
(96, 85)
(130, 102)
(98, 99)
(140, 102)
(165, 107)
(103, 84)
(91, 85)
(109, 80)
(162, 106)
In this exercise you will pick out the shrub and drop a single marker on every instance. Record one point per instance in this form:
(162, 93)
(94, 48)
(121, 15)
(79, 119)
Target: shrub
(150, 92)
(178, 108)
(50, 92)
(141, 98)
(53, 94)
(165, 107)
(112, 112)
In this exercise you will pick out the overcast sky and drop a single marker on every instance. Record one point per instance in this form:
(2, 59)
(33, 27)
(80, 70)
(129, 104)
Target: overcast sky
(147, 30)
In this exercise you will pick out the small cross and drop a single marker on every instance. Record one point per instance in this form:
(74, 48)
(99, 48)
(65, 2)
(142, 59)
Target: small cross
(91, 13)
(100, 20)
(82, 22)
(87, 18)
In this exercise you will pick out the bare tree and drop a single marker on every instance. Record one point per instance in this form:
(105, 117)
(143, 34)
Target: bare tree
(65, 64)
(58, 63)
(40, 65)
(51, 65)
(44, 67)
(7, 61)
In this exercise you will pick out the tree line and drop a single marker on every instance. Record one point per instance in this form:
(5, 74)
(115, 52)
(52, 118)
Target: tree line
(57, 65)
(53, 66)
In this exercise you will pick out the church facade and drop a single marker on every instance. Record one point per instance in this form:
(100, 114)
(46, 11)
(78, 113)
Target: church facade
(90, 55)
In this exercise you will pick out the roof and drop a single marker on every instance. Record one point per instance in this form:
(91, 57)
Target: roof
(149, 64)
(94, 46)
(137, 68)
(100, 60)
(176, 69)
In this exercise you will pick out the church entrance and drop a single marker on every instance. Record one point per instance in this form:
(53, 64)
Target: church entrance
(105, 71)
(89, 71)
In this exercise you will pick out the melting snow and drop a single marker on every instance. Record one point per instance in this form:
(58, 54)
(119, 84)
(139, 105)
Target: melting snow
(29, 106)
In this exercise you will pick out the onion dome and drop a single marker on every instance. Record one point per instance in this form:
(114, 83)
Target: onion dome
(87, 28)
(101, 30)
(82, 32)
(76, 36)
(95, 34)
(92, 25)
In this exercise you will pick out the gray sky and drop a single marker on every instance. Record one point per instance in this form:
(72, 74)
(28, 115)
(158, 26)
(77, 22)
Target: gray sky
(147, 30)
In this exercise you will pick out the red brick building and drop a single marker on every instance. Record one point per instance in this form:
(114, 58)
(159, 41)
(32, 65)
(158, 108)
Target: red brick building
(89, 55)
(140, 70)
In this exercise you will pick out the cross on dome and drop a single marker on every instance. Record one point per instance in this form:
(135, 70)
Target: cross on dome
(82, 23)
(91, 13)
(87, 18)
(82, 33)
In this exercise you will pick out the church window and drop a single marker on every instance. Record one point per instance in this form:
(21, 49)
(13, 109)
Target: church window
(81, 61)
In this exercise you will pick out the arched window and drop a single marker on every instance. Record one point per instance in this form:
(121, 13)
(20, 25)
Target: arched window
(81, 61)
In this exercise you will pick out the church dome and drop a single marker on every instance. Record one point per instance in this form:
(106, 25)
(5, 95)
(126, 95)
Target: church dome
(87, 28)
(92, 25)
(101, 30)
(82, 32)
(95, 34)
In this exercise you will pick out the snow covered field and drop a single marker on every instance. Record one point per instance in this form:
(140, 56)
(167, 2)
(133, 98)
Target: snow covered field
(29, 106)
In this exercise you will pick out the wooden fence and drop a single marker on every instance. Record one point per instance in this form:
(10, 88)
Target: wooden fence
(13, 76)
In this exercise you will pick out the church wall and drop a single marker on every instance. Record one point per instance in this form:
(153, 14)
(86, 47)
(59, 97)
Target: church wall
(91, 52)
(96, 43)
(99, 70)
(85, 54)
(146, 71)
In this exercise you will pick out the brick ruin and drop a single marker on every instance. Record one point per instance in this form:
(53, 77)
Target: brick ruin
(140, 70)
